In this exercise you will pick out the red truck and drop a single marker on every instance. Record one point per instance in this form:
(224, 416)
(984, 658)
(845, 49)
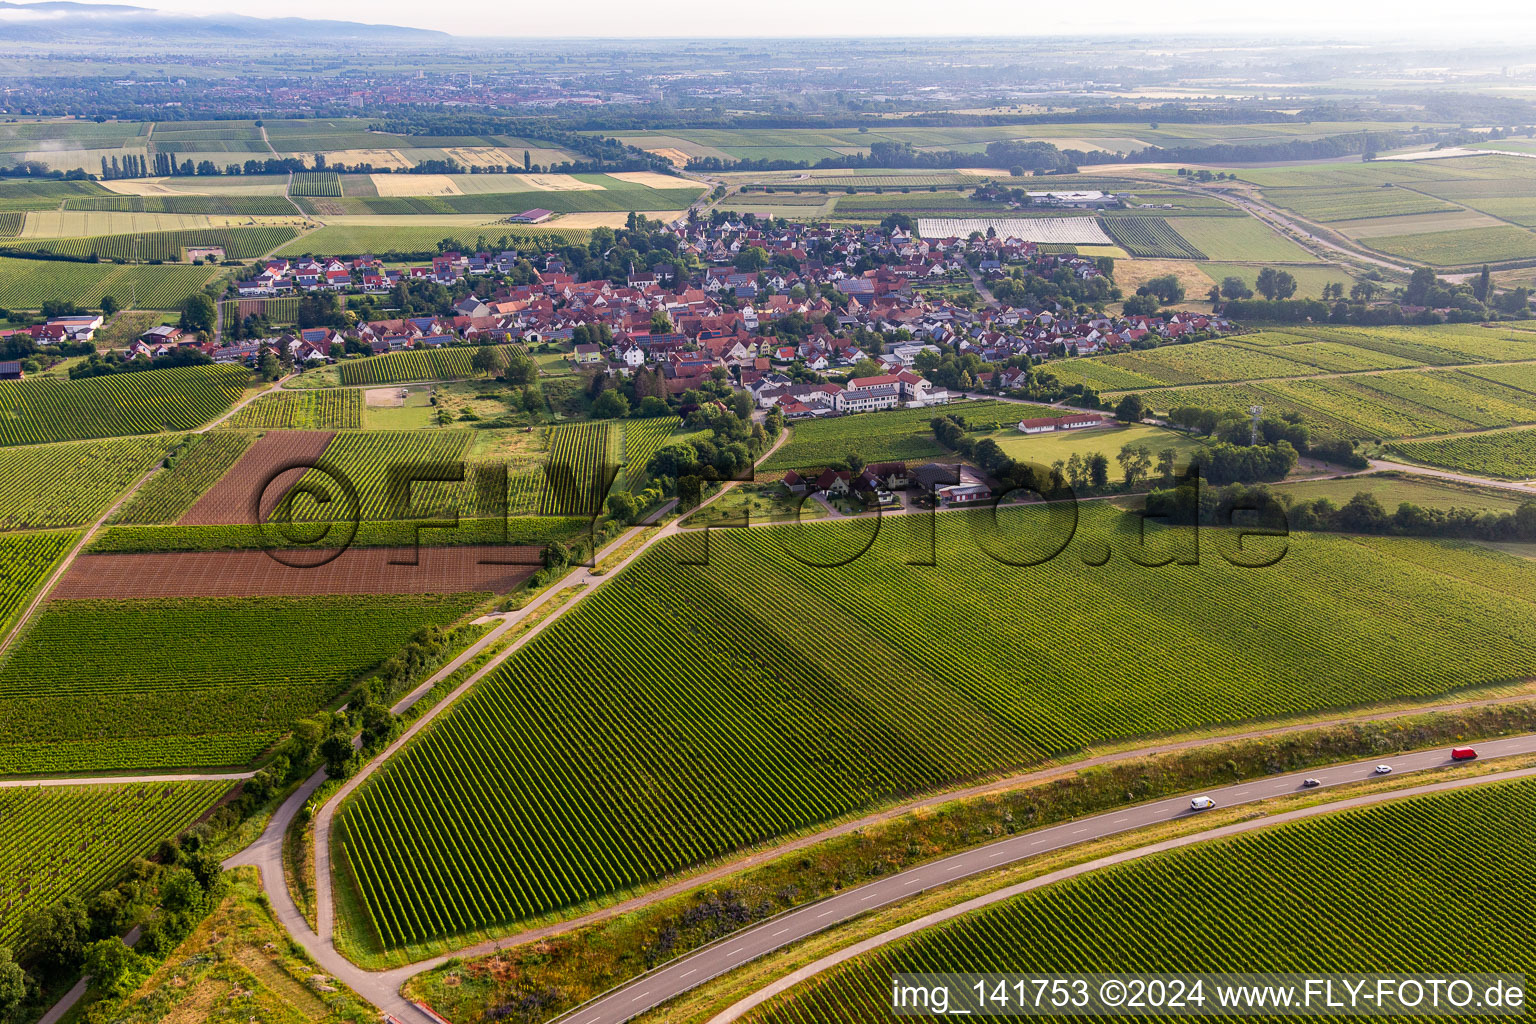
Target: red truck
(1463, 754)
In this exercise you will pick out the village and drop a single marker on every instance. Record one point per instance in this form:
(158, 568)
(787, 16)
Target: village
(781, 309)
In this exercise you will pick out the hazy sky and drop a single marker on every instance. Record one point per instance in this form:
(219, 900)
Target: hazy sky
(618, 18)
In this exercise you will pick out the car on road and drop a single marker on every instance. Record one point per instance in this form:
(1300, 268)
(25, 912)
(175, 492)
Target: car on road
(1311, 783)
(1463, 754)
(1383, 769)
(1201, 803)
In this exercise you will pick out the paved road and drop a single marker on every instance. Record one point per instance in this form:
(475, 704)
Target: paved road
(681, 975)
(788, 981)
(1441, 474)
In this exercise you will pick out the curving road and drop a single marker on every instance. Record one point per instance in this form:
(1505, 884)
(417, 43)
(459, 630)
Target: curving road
(736, 1010)
(673, 979)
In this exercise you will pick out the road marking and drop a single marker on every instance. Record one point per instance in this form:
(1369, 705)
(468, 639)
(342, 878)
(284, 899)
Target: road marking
(776, 934)
(738, 949)
(641, 996)
(999, 853)
(1118, 821)
(915, 881)
(683, 975)
(826, 913)
(869, 897)
(1077, 830)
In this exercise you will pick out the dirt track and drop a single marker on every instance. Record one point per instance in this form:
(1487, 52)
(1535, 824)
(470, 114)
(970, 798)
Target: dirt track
(233, 499)
(441, 570)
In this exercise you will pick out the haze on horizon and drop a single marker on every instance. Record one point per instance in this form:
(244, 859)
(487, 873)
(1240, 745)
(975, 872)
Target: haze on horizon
(1322, 20)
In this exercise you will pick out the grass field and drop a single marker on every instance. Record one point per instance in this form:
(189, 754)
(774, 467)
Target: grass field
(720, 695)
(25, 561)
(46, 409)
(334, 409)
(28, 283)
(883, 436)
(215, 676)
(1238, 239)
(71, 484)
(1392, 489)
(1456, 248)
(1228, 906)
(168, 494)
(1046, 449)
(20, 194)
(1507, 454)
(72, 840)
(1341, 204)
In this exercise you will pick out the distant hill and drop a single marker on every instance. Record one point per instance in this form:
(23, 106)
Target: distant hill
(61, 21)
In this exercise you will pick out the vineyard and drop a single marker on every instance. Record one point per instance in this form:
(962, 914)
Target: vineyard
(580, 468)
(1341, 204)
(720, 695)
(240, 243)
(330, 409)
(326, 184)
(73, 840)
(10, 224)
(28, 283)
(882, 436)
(415, 364)
(1231, 906)
(47, 409)
(71, 484)
(25, 561)
(377, 463)
(642, 440)
(1150, 237)
(168, 494)
(276, 311)
(212, 206)
(221, 670)
(358, 239)
(1510, 454)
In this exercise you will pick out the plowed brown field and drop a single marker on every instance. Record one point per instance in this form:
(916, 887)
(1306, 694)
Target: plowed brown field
(458, 569)
(279, 453)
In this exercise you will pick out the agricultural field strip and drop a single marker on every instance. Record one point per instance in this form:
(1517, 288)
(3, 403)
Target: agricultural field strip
(701, 640)
(448, 363)
(29, 283)
(1506, 454)
(181, 398)
(71, 484)
(238, 243)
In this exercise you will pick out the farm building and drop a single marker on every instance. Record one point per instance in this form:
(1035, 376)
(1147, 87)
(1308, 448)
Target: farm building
(531, 217)
(11, 370)
(951, 484)
(1046, 424)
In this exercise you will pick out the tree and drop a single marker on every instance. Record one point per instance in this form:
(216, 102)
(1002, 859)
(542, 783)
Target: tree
(1077, 472)
(690, 490)
(1167, 287)
(55, 937)
(1275, 284)
(340, 759)
(520, 370)
(1098, 469)
(661, 323)
(488, 359)
(1419, 285)
(752, 258)
(13, 983)
(113, 966)
(1165, 461)
(622, 507)
(1135, 461)
(269, 365)
(1235, 288)
(610, 405)
(109, 304)
(1364, 291)
(1482, 285)
(1140, 305)
(1131, 409)
(197, 313)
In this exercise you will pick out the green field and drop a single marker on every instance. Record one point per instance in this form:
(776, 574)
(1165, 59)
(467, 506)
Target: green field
(124, 539)
(1061, 445)
(888, 435)
(48, 409)
(1392, 489)
(26, 559)
(332, 409)
(168, 494)
(73, 840)
(720, 695)
(1508, 454)
(1457, 248)
(28, 283)
(1376, 880)
(216, 676)
(238, 205)
(315, 183)
(634, 197)
(1339, 204)
(381, 239)
(1150, 237)
(71, 484)
(20, 194)
(415, 364)
(1237, 239)
(376, 463)
(168, 246)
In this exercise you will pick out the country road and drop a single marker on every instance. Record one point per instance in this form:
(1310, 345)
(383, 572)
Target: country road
(679, 976)
(736, 1010)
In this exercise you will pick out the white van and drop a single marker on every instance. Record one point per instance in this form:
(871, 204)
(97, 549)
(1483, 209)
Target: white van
(1201, 803)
